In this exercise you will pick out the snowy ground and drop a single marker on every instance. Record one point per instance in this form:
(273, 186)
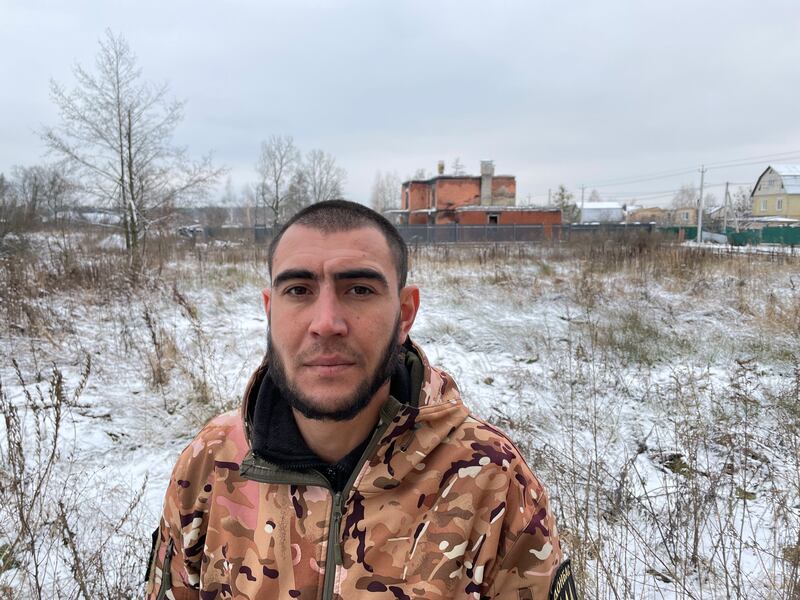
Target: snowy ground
(657, 398)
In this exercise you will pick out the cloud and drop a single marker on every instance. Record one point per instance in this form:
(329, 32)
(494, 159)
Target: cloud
(553, 92)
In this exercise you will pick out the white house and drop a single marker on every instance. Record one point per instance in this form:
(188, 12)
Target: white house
(602, 212)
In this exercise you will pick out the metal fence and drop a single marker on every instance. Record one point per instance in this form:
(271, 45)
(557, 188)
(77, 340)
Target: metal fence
(491, 233)
(455, 233)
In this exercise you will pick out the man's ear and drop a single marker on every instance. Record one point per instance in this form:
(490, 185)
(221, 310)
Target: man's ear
(265, 294)
(409, 305)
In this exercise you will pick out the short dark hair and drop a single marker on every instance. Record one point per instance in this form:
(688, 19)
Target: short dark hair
(333, 216)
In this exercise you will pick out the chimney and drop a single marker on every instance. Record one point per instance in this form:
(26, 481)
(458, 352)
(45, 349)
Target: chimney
(487, 172)
(440, 167)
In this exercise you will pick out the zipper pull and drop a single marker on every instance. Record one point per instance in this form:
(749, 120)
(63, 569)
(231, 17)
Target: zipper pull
(337, 528)
(338, 549)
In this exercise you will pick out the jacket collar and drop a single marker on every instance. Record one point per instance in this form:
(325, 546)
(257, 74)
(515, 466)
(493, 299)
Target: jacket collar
(434, 404)
(405, 385)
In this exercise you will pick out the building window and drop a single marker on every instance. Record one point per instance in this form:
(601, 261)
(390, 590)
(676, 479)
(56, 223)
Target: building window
(763, 205)
(685, 216)
(493, 219)
(779, 205)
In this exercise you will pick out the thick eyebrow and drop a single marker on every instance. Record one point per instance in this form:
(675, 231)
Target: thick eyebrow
(306, 275)
(291, 274)
(370, 274)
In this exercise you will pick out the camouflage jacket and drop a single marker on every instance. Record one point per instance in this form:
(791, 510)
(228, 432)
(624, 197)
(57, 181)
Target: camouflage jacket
(441, 505)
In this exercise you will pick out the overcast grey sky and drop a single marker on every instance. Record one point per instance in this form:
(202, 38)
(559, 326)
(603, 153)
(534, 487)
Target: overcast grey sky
(554, 92)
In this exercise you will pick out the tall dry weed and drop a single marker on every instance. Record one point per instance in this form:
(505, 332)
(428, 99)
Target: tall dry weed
(56, 540)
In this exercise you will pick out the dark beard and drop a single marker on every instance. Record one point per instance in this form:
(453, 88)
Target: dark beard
(360, 398)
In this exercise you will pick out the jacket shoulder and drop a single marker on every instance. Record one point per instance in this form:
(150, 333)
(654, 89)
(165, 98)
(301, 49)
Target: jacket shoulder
(213, 456)
(528, 550)
(219, 444)
(483, 436)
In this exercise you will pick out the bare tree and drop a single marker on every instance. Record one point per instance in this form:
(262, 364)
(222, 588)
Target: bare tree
(564, 200)
(742, 203)
(248, 216)
(457, 168)
(298, 195)
(42, 191)
(29, 184)
(227, 201)
(276, 166)
(31, 195)
(8, 207)
(116, 132)
(228, 197)
(685, 197)
(595, 196)
(709, 201)
(324, 177)
(386, 191)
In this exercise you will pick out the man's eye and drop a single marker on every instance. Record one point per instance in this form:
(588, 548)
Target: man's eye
(361, 290)
(296, 290)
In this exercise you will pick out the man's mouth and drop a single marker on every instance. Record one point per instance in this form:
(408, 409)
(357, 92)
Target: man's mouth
(328, 365)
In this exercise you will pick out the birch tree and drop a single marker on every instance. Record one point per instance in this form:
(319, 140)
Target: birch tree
(386, 191)
(324, 177)
(116, 133)
(276, 167)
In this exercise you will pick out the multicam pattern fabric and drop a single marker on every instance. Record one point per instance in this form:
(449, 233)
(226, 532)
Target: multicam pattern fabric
(442, 507)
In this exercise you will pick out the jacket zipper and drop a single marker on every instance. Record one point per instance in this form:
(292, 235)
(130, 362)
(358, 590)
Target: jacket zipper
(333, 556)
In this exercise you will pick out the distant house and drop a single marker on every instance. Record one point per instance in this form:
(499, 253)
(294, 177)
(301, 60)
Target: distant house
(435, 200)
(719, 217)
(648, 215)
(684, 216)
(777, 192)
(602, 212)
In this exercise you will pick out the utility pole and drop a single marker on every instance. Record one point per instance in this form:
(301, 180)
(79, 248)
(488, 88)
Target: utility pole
(727, 210)
(583, 189)
(700, 210)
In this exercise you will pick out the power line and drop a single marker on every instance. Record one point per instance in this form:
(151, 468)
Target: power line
(740, 162)
(778, 155)
(655, 176)
(754, 162)
(672, 191)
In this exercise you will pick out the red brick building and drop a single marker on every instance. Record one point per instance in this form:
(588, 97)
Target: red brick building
(508, 215)
(435, 200)
(486, 199)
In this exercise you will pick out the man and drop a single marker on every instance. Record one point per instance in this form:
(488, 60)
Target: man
(353, 469)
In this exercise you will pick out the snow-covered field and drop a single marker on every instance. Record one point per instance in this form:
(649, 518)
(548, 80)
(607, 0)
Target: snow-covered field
(656, 392)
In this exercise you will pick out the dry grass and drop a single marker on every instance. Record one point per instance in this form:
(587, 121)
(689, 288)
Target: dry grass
(679, 510)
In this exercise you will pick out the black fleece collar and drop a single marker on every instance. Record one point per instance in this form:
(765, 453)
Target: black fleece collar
(275, 433)
(276, 437)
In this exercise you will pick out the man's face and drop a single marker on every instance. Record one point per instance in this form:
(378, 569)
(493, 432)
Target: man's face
(336, 318)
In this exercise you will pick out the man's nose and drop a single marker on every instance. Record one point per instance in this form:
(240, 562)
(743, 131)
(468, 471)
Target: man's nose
(328, 318)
